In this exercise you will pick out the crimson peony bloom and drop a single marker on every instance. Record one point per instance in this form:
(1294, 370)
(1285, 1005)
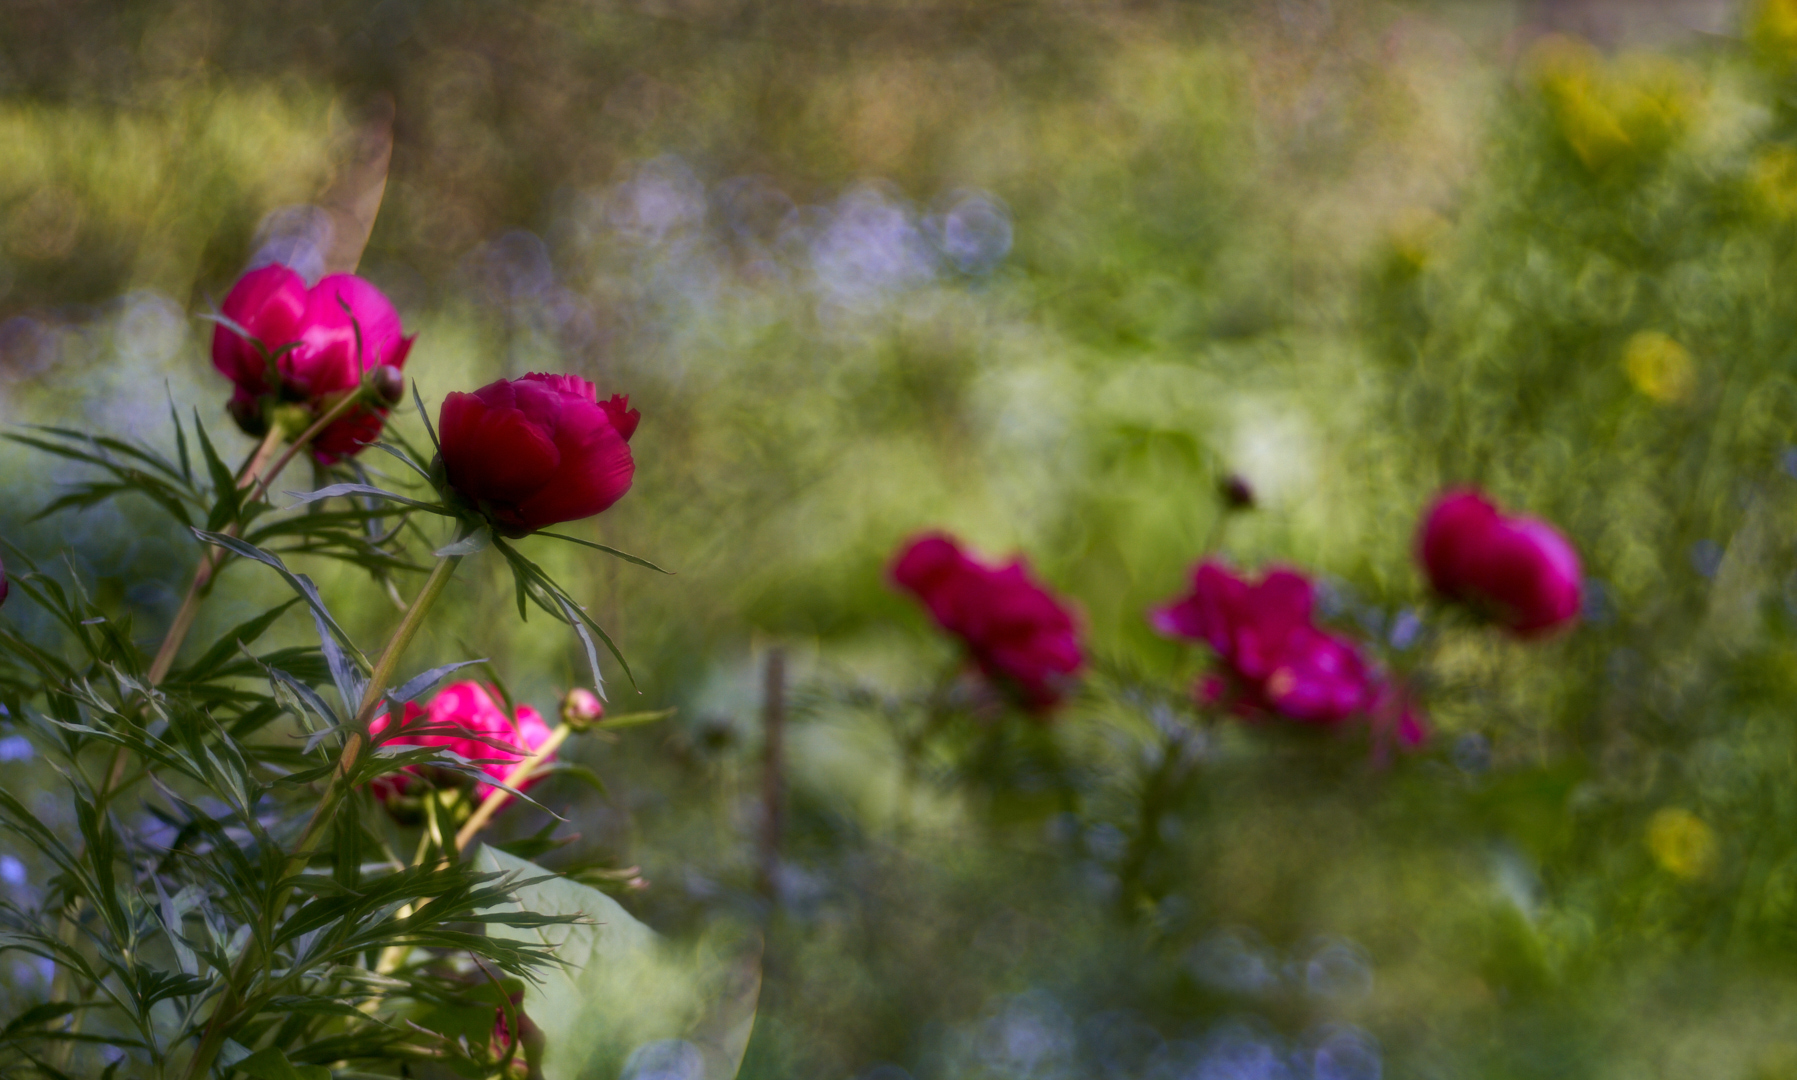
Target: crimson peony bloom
(321, 340)
(472, 708)
(1275, 659)
(1018, 632)
(539, 450)
(1520, 570)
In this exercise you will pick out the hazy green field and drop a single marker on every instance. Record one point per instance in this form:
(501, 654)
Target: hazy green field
(1041, 275)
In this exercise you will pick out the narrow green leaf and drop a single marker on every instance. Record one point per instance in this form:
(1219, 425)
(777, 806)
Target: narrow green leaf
(300, 582)
(625, 555)
(422, 415)
(270, 1064)
(226, 497)
(418, 684)
(180, 434)
(478, 540)
(335, 490)
(243, 634)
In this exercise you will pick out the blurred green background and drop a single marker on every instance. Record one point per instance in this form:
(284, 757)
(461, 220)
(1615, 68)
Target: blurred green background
(1041, 274)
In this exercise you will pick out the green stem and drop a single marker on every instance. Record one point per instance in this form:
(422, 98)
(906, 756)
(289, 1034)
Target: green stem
(378, 681)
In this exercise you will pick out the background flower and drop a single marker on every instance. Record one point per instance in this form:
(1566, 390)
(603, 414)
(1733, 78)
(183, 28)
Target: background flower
(321, 341)
(1019, 633)
(1521, 570)
(1275, 659)
(471, 708)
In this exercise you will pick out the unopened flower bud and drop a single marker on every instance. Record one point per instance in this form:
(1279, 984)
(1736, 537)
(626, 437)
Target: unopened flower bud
(1236, 492)
(247, 412)
(388, 384)
(582, 709)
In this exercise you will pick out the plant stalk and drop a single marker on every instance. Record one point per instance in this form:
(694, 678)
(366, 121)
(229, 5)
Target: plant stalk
(378, 680)
(254, 475)
(518, 774)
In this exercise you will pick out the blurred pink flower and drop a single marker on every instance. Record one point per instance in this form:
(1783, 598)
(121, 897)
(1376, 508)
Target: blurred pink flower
(1275, 659)
(1019, 633)
(1520, 570)
(466, 707)
(322, 341)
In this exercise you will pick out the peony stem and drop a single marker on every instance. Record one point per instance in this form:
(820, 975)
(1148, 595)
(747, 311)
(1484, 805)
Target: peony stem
(378, 681)
(520, 772)
(252, 473)
(256, 475)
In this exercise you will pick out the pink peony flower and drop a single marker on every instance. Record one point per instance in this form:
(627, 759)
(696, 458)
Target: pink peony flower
(1520, 570)
(1275, 659)
(539, 450)
(471, 708)
(322, 341)
(1018, 632)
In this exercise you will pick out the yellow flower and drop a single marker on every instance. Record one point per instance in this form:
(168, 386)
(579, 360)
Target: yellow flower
(1772, 29)
(1659, 367)
(1682, 844)
(1607, 110)
(1416, 232)
(1772, 182)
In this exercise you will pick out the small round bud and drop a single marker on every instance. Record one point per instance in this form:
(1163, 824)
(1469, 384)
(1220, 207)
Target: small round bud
(582, 709)
(388, 384)
(247, 412)
(1236, 492)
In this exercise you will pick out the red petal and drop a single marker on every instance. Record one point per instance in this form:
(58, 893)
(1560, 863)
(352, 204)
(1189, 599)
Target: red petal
(493, 454)
(594, 472)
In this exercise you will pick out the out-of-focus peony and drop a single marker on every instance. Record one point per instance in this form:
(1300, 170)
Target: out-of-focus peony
(1275, 659)
(1019, 633)
(321, 341)
(539, 450)
(457, 719)
(1520, 570)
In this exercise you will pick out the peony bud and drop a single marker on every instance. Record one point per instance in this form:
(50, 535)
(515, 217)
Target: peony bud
(581, 709)
(536, 451)
(388, 384)
(1236, 492)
